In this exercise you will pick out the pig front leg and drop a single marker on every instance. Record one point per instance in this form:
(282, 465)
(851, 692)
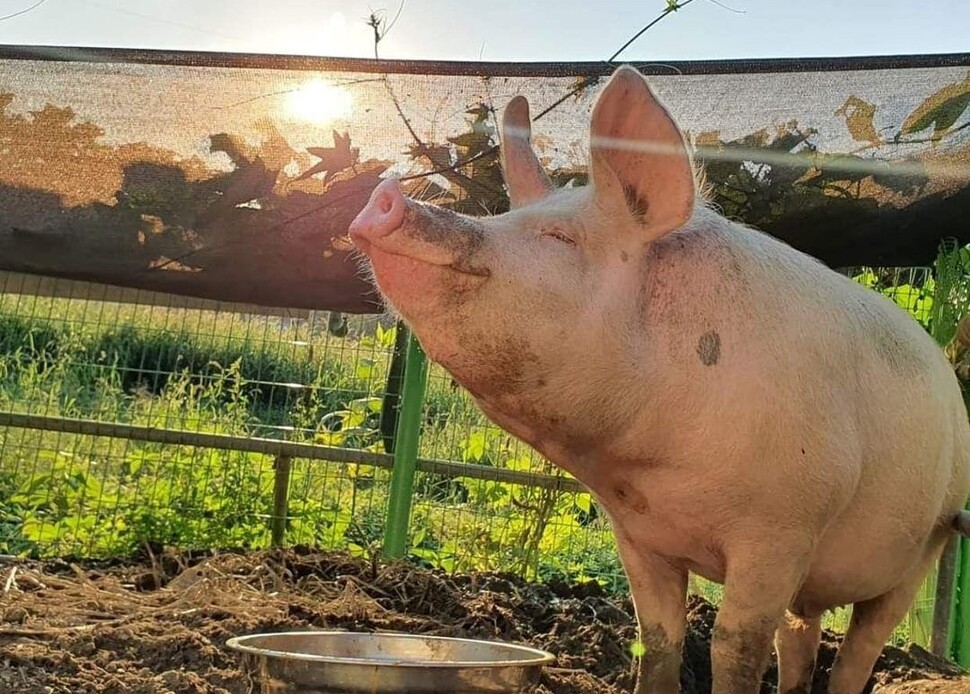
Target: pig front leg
(758, 588)
(659, 592)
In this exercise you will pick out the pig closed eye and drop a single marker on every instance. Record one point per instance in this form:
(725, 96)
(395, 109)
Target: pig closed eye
(558, 236)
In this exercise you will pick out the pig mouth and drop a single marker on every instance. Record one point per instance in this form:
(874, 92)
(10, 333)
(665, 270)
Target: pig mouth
(378, 253)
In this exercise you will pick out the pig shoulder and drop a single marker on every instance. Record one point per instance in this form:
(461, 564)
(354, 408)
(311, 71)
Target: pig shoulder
(722, 278)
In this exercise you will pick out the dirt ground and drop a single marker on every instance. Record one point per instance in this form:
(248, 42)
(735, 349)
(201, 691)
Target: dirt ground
(160, 626)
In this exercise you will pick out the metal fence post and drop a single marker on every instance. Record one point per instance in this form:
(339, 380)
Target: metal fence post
(941, 634)
(391, 404)
(406, 443)
(281, 490)
(960, 622)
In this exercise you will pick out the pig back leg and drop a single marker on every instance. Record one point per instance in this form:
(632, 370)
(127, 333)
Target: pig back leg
(796, 643)
(659, 593)
(871, 626)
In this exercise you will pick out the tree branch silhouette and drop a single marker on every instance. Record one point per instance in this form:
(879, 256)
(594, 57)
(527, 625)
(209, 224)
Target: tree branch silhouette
(24, 11)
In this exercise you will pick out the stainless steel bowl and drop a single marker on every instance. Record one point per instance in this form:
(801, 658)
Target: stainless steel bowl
(328, 662)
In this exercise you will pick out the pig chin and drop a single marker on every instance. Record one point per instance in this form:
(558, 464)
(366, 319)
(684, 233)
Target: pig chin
(419, 289)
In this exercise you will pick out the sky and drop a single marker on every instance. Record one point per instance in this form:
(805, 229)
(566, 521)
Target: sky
(499, 30)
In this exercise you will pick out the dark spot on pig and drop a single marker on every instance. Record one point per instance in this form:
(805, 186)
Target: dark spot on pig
(631, 498)
(803, 451)
(636, 204)
(624, 256)
(709, 348)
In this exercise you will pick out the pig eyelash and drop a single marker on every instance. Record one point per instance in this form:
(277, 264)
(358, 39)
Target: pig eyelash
(559, 236)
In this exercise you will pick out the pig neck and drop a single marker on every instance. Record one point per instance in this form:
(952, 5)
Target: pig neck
(581, 416)
(594, 451)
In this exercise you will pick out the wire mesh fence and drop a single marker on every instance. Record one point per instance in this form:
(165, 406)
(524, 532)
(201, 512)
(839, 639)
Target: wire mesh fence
(205, 371)
(172, 368)
(149, 373)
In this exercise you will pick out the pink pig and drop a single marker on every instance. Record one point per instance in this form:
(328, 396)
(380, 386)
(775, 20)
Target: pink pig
(738, 410)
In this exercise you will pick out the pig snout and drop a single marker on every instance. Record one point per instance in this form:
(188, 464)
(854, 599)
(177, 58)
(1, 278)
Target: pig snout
(383, 213)
(393, 224)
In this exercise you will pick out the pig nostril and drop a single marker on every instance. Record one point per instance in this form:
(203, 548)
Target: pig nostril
(386, 204)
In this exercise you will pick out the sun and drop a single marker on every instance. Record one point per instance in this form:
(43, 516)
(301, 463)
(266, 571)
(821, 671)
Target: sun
(319, 102)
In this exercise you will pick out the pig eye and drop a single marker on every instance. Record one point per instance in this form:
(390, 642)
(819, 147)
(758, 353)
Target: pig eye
(559, 236)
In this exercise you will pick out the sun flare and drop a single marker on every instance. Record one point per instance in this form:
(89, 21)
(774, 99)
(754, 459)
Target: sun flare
(319, 102)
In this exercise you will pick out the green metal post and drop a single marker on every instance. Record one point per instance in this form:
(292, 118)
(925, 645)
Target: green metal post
(952, 635)
(406, 442)
(391, 404)
(943, 604)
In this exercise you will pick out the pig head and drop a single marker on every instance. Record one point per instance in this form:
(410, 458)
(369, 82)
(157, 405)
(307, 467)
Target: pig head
(733, 405)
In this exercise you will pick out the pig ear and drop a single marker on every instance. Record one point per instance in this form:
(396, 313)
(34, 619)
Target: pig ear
(638, 156)
(524, 175)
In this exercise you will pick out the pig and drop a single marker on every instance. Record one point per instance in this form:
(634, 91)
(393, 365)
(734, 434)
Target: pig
(737, 409)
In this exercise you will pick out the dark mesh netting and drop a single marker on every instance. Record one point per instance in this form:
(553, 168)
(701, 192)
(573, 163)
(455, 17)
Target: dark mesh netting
(229, 177)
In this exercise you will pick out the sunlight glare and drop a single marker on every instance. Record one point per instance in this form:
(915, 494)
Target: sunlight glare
(319, 102)
(337, 23)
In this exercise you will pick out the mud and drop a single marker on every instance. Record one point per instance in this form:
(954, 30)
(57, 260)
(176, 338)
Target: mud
(160, 625)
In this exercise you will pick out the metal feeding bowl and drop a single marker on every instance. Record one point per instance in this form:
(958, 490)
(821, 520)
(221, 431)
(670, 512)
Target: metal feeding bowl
(328, 662)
